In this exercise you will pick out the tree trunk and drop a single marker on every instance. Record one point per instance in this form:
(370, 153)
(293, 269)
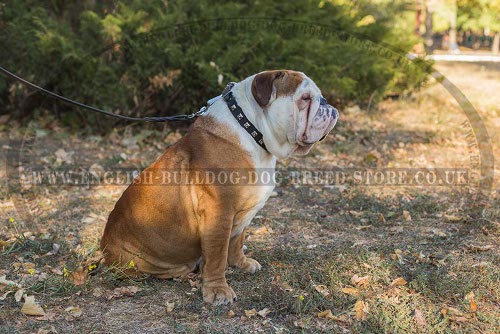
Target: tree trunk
(453, 46)
(428, 29)
(496, 43)
(418, 18)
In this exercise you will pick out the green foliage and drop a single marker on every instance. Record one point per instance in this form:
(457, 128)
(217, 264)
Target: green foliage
(474, 15)
(477, 15)
(159, 58)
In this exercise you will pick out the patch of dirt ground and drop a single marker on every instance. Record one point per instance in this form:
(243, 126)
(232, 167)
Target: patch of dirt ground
(342, 257)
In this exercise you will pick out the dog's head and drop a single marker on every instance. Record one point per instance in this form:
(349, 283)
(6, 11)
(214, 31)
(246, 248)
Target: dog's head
(295, 111)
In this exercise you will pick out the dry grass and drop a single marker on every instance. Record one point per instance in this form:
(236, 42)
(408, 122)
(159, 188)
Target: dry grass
(308, 238)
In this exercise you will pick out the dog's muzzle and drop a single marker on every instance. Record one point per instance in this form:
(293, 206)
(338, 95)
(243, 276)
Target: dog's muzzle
(326, 111)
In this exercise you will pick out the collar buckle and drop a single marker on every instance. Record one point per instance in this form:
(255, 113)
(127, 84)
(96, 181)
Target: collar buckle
(226, 93)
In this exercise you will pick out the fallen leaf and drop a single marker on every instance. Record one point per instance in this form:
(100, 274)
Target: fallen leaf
(97, 292)
(452, 218)
(264, 312)
(49, 316)
(5, 295)
(361, 309)
(406, 215)
(250, 313)
(230, 313)
(419, 318)
(56, 271)
(439, 233)
(88, 220)
(364, 227)
(124, 291)
(260, 231)
(4, 282)
(485, 248)
(31, 307)
(327, 314)
(285, 286)
(381, 218)
(355, 213)
(63, 156)
(351, 291)
(473, 306)
(78, 277)
(170, 307)
(7, 244)
(451, 311)
(469, 296)
(398, 255)
(300, 323)
(19, 295)
(366, 265)
(400, 281)
(322, 289)
(74, 311)
(362, 282)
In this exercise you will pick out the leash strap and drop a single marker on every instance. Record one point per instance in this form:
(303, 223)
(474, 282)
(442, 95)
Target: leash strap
(240, 116)
(107, 113)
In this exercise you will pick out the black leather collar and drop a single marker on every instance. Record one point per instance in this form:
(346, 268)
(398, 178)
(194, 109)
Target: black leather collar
(240, 116)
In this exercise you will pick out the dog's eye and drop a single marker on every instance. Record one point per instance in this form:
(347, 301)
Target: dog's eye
(306, 97)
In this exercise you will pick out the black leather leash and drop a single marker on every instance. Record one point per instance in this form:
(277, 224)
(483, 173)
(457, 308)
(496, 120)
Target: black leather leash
(107, 113)
(227, 95)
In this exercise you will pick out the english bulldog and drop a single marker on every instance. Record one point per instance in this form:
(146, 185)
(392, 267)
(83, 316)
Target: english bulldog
(168, 229)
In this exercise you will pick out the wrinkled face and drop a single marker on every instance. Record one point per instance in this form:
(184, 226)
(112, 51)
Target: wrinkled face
(295, 109)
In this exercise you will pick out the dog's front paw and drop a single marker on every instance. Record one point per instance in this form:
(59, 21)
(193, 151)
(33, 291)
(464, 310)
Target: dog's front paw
(250, 265)
(218, 295)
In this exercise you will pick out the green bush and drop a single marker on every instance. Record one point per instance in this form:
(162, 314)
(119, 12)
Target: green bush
(168, 57)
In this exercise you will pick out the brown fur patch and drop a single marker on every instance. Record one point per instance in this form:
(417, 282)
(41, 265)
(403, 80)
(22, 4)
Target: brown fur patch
(285, 82)
(166, 228)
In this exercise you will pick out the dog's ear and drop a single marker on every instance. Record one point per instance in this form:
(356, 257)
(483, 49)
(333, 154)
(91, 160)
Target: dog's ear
(262, 86)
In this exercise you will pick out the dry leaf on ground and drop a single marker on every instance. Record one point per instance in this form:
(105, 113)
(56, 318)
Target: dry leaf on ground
(361, 309)
(6, 243)
(5, 282)
(5, 295)
(473, 306)
(356, 213)
(264, 312)
(261, 230)
(78, 277)
(170, 307)
(406, 215)
(400, 281)
(327, 314)
(362, 282)
(453, 218)
(75, 311)
(351, 291)
(419, 318)
(31, 307)
(250, 313)
(470, 298)
(323, 290)
(19, 295)
(474, 248)
(124, 291)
